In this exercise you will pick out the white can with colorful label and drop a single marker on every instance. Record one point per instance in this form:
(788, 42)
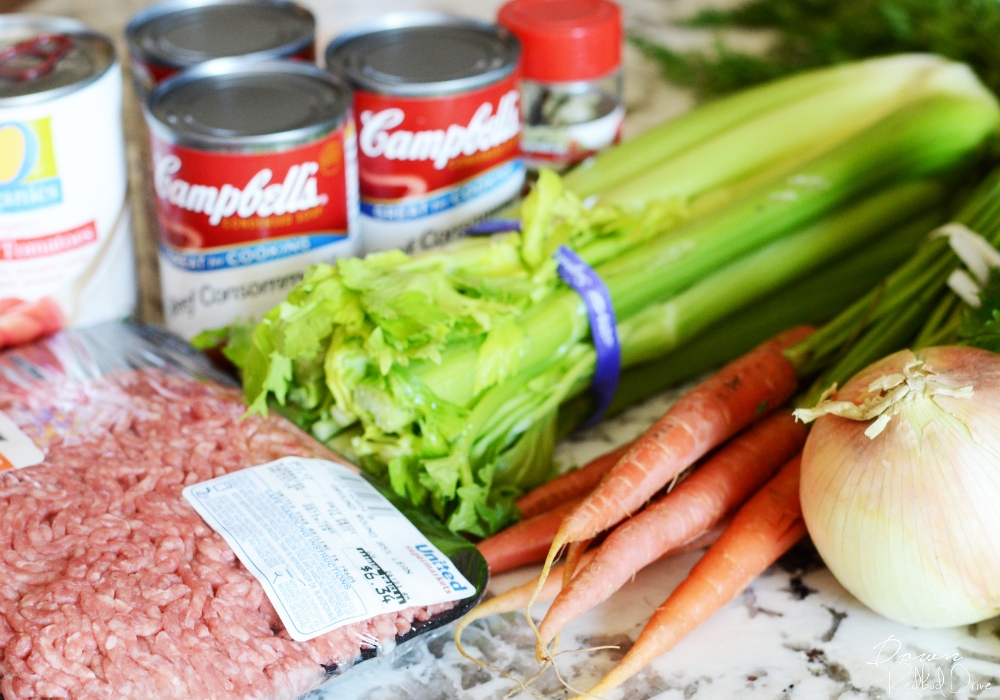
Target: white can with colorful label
(64, 221)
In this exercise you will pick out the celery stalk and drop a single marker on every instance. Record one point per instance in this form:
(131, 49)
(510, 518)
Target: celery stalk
(913, 306)
(509, 409)
(813, 300)
(794, 133)
(618, 165)
(663, 327)
(739, 134)
(933, 135)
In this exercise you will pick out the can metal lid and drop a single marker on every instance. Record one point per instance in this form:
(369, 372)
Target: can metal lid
(45, 57)
(233, 105)
(423, 53)
(183, 33)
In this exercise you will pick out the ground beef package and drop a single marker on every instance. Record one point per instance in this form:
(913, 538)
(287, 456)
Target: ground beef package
(111, 586)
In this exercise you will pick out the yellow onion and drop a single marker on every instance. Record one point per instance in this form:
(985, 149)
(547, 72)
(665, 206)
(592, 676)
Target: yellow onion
(907, 516)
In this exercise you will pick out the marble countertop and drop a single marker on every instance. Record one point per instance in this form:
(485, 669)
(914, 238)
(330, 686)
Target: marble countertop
(795, 633)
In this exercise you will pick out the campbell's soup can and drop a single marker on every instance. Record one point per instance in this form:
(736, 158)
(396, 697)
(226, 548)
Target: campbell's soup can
(439, 113)
(175, 35)
(64, 220)
(255, 179)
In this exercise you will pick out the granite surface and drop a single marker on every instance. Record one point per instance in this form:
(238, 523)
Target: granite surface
(794, 634)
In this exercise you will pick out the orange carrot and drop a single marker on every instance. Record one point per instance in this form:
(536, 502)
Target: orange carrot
(573, 555)
(516, 598)
(702, 419)
(705, 417)
(764, 528)
(526, 542)
(571, 485)
(722, 483)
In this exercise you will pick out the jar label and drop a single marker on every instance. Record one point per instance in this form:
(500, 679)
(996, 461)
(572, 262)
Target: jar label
(561, 146)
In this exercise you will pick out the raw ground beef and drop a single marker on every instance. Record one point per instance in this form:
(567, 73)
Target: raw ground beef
(111, 586)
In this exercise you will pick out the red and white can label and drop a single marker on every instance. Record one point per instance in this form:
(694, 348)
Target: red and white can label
(429, 164)
(149, 74)
(237, 231)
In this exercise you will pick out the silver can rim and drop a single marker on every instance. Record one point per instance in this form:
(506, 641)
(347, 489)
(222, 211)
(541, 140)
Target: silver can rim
(224, 67)
(421, 18)
(62, 25)
(161, 9)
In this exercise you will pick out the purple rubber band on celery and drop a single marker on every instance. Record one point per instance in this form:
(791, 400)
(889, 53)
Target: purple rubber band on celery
(489, 226)
(575, 272)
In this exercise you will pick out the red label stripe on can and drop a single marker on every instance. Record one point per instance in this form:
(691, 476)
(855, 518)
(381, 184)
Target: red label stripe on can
(416, 146)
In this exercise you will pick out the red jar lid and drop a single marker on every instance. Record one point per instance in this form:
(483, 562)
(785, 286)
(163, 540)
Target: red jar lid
(565, 40)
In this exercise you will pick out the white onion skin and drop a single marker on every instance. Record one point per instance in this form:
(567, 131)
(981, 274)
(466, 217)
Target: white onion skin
(909, 522)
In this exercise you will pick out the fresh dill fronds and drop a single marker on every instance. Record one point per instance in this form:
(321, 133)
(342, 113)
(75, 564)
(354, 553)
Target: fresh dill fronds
(814, 33)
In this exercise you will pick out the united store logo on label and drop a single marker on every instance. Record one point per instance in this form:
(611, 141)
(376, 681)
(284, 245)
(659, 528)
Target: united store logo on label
(414, 147)
(29, 178)
(210, 200)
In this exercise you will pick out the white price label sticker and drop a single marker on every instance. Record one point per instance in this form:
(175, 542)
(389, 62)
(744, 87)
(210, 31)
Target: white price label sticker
(16, 449)
(327, 547)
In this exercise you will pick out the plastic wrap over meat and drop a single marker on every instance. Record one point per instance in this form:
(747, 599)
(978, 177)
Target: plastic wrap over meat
(111, 586)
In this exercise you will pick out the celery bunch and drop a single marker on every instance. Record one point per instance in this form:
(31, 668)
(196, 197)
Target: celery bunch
(912, 307)
(444, 373)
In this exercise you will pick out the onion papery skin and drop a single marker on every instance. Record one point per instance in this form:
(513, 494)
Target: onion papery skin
(909, 522)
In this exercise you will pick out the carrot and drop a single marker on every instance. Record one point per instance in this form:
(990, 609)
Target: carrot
(706, 416)
(573, 555)
(722, 483)
(526, 542)
(516, 598)
(763, 529)
(570, 486)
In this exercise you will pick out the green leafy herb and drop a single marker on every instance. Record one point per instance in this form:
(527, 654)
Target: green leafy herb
(814, 33)
(981, 327)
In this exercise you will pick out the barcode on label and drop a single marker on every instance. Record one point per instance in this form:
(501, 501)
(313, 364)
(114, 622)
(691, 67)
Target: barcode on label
(371, 499)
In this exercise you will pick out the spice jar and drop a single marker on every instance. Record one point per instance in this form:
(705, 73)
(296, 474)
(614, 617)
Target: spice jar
(571, 90)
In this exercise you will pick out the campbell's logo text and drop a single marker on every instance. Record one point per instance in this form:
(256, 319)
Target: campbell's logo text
(298, 191)
(380, 137)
